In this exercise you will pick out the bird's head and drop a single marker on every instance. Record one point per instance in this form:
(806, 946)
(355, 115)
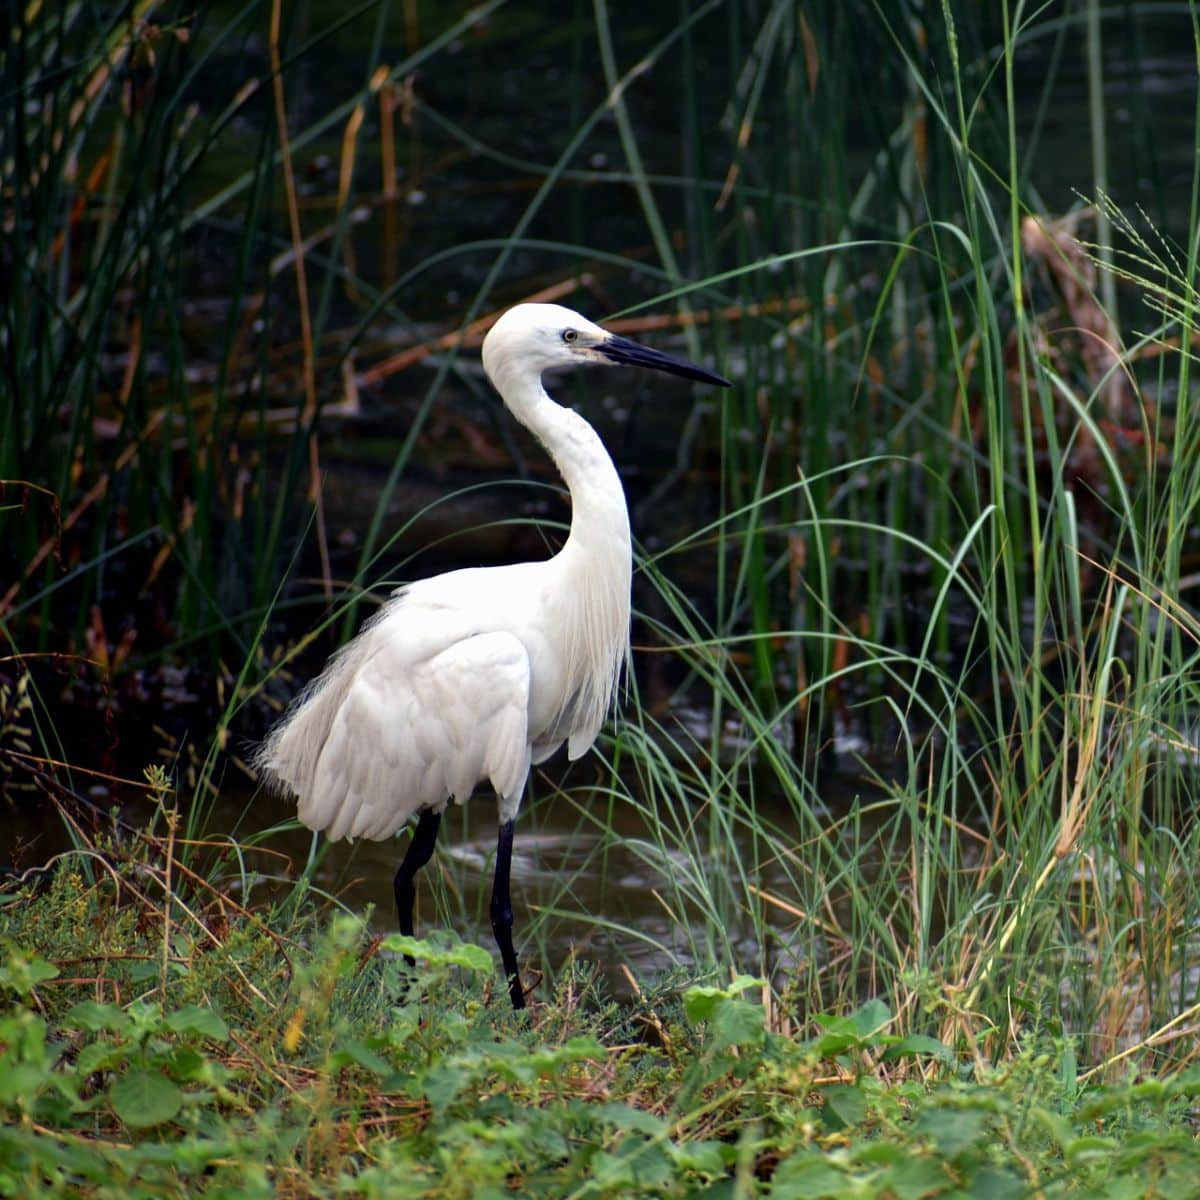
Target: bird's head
(532, 338)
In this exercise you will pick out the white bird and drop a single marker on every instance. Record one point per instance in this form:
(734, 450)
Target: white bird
(476, 674)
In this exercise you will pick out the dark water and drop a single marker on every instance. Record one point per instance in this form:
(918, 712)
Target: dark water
(588, 880)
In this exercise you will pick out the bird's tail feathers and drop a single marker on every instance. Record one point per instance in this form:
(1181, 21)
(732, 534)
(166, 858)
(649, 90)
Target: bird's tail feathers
(287, 759)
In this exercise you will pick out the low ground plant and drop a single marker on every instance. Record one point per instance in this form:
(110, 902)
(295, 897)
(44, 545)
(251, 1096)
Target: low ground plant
(176, 1043)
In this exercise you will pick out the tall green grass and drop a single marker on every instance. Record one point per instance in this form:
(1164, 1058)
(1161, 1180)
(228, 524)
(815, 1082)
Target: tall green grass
(934, 607)
(1019, 848)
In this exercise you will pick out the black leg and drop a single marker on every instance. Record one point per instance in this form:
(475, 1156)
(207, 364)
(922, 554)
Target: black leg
(420, 850)
(502, 918)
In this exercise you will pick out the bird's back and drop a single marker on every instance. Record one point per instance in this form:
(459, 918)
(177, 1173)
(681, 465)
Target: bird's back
(459, 679)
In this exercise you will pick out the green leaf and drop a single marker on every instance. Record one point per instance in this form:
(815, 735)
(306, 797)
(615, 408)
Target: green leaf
(701, 1002)
(998, 1183)
(738, 1023)
(23, 1037)
(94, 1016)
(354, 1051)
(611, 1172)
(528, 1064)
(808, 1177)
(1149, 1089)
(830, 1045)
(1091, 1146)
(871, 1018)
(845, 1105)
(916, 1178)
(705, 1158)
(916, 1044)
(186, 1063)
(441, 1084)
(144, 1098)
(642, 1166)
(626, 1117)
(99, 1056)
(204, 1022)
(847, 1033)
(1070, 1070)
(21, 973)
(834, 1024)
(21, 1082)
(881, 1154)
(1054, 1124)
(462, 954)
(145, 970)
(953, 1129)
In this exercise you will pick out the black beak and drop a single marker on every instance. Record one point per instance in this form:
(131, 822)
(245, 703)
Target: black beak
(623, 350)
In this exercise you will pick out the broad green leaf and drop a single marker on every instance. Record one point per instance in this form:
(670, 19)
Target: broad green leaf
(845, 1104)
(352, 1051)
(649, 1164)
(463, 954)
(840, 1034)
(21, 1082)
(999, 1183)
(830, 1045)
(917, 1178)
(526, 1064)
(204, 1022)
(871, 1018)
(919, 1043)
(22, 974)
(442, 1083)
(1055, 1124)
(185, 1062)
(831, 1023)
(610, 1172)
(738, 1023)
(625, 1116)
(1091, 1146)
(877, 1153)
(100, 1055)
(143, 1098)
(953, 1129)
(1149, 1089)
(705, 1158)
(808, 1177)
(145, 970)
(94, 1016)
(23, 1036)
(701, 1002)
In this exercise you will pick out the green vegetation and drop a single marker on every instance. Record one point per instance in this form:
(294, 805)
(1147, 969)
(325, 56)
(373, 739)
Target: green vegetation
(935, 558)
(160, 1044)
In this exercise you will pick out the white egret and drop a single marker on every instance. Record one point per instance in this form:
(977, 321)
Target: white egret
(478, 673)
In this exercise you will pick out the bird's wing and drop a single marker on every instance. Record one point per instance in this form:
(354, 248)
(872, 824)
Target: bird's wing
(412, 734)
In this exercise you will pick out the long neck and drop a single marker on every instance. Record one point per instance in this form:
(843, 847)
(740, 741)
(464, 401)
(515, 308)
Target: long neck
(599, 516)
(593, 567)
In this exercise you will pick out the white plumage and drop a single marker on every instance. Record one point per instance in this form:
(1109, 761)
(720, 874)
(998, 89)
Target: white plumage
(471, 676)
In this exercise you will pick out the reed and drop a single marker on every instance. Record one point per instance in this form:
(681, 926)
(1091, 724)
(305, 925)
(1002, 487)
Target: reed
(929, 590)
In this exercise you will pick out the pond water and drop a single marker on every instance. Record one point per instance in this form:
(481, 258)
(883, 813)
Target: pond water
(589, 880)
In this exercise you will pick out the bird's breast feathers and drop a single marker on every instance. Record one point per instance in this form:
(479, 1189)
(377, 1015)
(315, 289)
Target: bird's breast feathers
(574, 644)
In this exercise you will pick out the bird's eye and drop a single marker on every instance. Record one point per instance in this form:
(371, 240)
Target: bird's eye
(570, 335)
